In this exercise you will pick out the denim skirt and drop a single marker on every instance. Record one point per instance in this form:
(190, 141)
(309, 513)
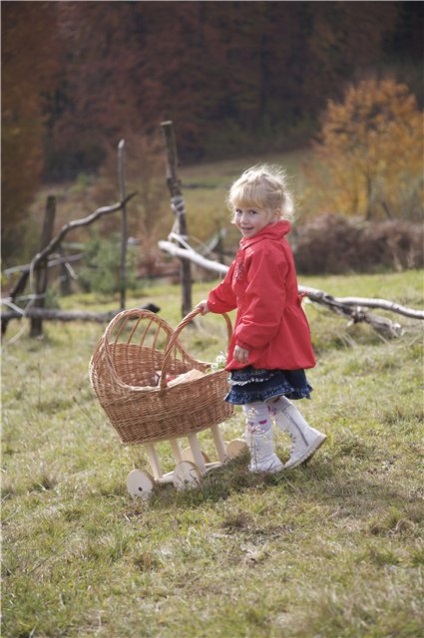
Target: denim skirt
(249, 385)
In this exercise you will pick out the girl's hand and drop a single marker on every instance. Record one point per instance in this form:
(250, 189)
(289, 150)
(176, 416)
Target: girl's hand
(241, 354)
(204, 306)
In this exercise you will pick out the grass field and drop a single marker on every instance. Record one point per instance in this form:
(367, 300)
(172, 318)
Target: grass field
(333, 549)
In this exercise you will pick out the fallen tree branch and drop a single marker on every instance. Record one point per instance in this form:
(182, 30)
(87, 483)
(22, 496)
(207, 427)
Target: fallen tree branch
(68, 315)
(53, 261)
(322, 297)
(59, 315)
(385, 327)
(189, 253)
(352, 307)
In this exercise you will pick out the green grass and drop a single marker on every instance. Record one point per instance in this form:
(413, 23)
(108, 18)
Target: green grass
(331, 549)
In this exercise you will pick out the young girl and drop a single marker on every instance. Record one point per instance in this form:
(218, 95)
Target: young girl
(271, 344)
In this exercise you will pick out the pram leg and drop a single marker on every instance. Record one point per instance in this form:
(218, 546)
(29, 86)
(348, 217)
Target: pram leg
(219, 443)
(197, 453)
(191, 464)
(154, 461)
(176, 450)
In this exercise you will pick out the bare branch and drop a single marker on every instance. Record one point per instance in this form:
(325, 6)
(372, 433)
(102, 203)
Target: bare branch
(77, 223)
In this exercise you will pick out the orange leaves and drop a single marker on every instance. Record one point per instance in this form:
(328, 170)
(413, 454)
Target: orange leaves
(371, 152)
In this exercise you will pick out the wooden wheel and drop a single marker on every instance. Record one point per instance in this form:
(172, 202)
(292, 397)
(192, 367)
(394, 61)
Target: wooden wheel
(236, 448)
(140, 484)
(186, 475)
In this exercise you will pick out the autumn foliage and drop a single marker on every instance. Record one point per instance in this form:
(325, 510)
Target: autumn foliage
(235, 78)
(29, 71)
(369, 159)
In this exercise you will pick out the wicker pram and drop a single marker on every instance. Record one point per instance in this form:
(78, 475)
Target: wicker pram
(133, 372)
(130, 371)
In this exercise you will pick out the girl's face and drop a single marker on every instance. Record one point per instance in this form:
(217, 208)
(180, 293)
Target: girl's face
(250, 221)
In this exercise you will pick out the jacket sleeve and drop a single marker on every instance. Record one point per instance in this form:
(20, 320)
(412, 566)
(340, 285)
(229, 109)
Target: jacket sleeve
(222, 298)
(264, 299)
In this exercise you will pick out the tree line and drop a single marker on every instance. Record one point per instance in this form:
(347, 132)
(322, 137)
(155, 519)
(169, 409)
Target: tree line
(234, 77)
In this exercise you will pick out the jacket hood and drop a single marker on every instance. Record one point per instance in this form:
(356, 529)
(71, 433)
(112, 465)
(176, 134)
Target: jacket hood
(277, 230)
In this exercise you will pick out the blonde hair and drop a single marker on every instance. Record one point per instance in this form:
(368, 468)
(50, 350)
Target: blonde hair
(262, 186)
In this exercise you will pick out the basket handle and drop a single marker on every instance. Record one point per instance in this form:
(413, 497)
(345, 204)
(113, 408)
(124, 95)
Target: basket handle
(172, 341)
(120, 321)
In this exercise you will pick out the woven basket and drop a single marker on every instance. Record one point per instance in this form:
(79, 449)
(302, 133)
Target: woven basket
(135, 347)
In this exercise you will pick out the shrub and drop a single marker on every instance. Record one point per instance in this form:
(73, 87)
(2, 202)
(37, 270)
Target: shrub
(337, 244)
(101, 272)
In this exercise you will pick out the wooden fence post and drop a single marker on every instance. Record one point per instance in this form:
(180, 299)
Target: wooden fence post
(178, 207)
(41, 272)
(124, 239)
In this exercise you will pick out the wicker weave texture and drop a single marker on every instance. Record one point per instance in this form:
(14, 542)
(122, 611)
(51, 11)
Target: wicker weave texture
(137, 349)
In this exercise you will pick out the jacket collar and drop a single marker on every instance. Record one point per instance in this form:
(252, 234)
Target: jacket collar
(276, 231)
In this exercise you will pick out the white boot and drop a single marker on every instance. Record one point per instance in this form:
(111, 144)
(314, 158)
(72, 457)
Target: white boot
(262, 454)
(306, 440)
(260, 439)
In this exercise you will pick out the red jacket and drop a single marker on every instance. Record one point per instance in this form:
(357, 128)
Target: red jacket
(262, 284)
